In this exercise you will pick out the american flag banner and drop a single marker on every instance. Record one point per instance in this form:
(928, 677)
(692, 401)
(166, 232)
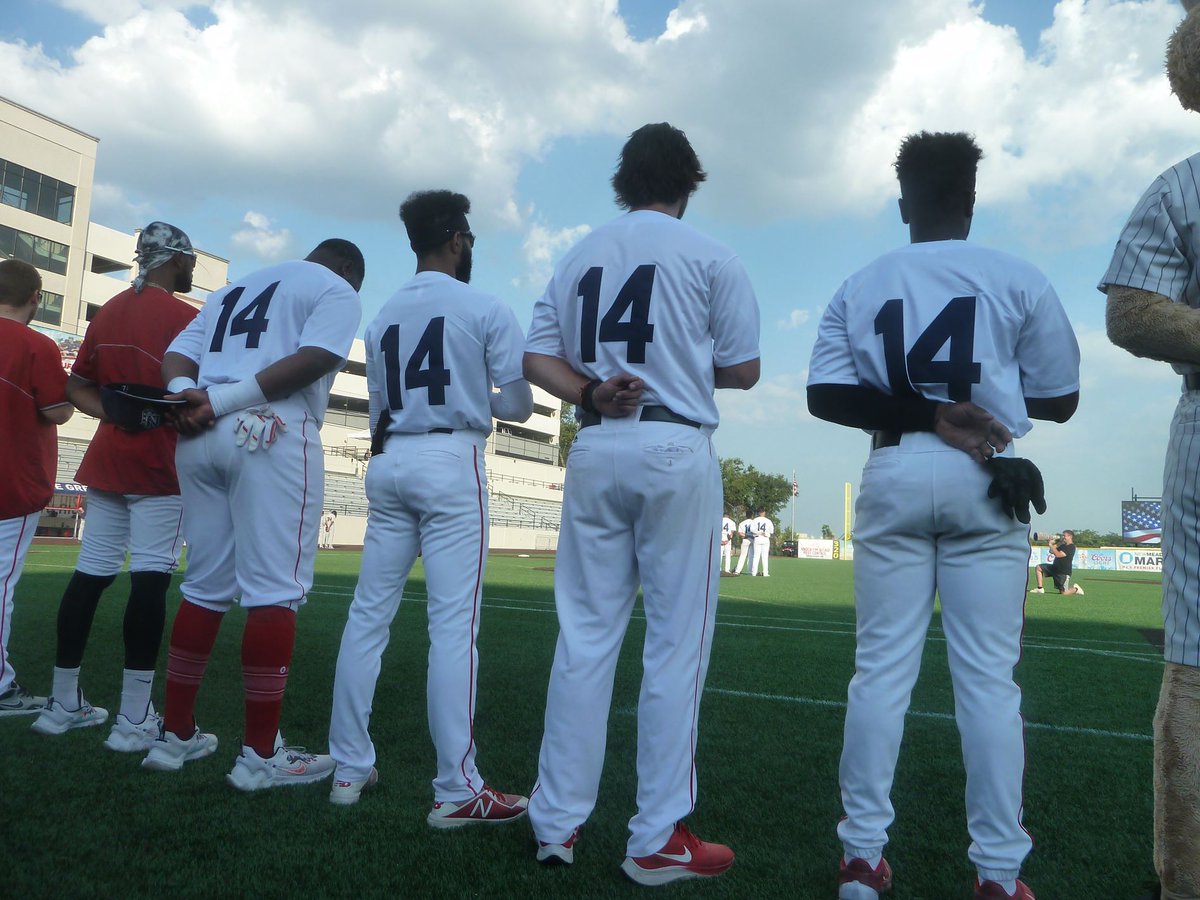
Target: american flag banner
(1141, 521)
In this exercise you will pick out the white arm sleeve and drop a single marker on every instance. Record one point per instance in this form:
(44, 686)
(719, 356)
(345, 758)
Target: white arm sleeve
(514, 403)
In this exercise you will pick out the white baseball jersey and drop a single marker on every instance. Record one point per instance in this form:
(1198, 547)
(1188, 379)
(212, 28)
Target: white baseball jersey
(258, 320)
(1158, 251)
(727, 529)
(951, 321)
(762, 527)
(598, 312)
(434, 353)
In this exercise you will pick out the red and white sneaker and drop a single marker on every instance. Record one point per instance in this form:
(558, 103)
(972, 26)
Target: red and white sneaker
(857, 880)
(488, 807)
(558, 853)
(683, 856)
(990, 890)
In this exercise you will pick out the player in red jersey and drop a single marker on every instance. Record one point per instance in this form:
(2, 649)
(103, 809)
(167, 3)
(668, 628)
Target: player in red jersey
(33, 401)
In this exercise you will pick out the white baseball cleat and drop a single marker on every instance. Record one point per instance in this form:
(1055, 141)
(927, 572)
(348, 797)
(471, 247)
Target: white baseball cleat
(346, 793)
(169, 752)
(17, 701)
(1038, 591)
(134, 737)
(288, 765)
(558, 853)
(57, 719)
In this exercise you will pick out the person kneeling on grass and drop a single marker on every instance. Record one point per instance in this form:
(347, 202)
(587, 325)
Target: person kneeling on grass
(1062, 557)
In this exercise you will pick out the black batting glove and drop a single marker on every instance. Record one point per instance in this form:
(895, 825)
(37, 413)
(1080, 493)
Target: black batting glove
(1016, 483)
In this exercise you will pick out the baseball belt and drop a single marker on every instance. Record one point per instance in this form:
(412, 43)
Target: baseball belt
(648, 414)
(881, 439)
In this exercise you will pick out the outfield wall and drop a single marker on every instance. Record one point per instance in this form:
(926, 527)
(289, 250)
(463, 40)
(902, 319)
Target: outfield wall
(1106, 559)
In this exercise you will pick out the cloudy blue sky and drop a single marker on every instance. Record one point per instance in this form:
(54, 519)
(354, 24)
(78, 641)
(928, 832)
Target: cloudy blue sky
(263, 126)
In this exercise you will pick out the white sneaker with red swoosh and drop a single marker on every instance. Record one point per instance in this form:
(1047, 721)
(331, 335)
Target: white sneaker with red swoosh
(488, 807)
(683, 856)
(288, 765)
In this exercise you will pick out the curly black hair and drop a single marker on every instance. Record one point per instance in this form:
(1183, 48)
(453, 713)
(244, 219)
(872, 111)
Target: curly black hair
(339, 250)
(433, 217)
(657, 165)
(937, 170)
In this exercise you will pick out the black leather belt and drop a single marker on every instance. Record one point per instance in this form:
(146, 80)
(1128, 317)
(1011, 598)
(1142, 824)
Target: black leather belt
(881, 439)
(648, 414)
(1191, 382)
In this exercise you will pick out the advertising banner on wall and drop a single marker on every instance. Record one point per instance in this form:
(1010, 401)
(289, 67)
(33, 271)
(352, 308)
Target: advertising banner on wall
(1139, 559)
(1104, 559)
(813, 548)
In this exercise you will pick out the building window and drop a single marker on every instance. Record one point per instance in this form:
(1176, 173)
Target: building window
(49, 309)
(36, 193)
(38, 251)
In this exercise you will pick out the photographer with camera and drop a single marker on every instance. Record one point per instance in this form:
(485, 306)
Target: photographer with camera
(1062, 557)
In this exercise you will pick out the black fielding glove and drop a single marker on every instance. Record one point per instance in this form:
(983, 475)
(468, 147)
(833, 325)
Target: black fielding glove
(1016, 483)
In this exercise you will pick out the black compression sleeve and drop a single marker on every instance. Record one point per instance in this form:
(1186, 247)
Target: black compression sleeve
(859, 406)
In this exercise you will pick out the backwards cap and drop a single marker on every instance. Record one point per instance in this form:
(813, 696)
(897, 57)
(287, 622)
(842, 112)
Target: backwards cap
(157, 243)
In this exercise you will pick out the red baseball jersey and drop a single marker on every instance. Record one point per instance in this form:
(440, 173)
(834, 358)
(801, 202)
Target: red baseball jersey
(125, 342)
(31, 379)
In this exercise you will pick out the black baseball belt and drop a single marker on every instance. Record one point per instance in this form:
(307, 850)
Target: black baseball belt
(881, 439)
(1191, 381)
(648, 414)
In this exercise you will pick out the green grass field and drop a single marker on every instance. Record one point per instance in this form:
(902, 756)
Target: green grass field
(80, 821)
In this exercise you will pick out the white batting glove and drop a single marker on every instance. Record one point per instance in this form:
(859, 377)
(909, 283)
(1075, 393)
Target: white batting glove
(258, 427)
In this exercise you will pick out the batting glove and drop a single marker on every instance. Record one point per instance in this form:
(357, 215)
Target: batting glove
(258, 427)
(1016, 483)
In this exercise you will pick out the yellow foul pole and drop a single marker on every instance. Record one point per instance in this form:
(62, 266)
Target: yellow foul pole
(849, 507)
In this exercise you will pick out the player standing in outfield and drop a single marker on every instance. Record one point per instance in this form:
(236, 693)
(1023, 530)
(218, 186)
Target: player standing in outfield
(945, 350)
(434, 353)
(1153, 311)
(640, 321)
(327, 522)
(133, 494)
(33, 401)
(728, 526)
(745, 530)
(763, 529)
(255, 367)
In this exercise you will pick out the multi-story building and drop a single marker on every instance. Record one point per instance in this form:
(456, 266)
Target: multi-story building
(47, 173)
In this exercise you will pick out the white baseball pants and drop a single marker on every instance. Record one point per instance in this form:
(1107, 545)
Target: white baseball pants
(251, 519)
(15, 537)
(640, 502)
(926, 527)
(147, 527)
(743, 552)
(427, 493)
(727, 556)
(762, 550)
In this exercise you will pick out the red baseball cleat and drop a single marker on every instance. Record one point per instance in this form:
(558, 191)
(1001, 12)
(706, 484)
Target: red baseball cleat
(488, 807)
(858, 881)
(990, 890)
(683, 856)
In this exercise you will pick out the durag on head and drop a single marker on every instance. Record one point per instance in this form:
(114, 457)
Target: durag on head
(157, 243)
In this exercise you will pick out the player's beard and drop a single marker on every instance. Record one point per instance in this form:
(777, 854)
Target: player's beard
(463, 270)
(183, 282)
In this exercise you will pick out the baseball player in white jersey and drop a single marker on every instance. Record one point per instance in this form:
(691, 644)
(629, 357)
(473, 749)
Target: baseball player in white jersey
(640, 321)
(327, 522)
(255, 366)
(763, 529)
(1153, 310)
(434, 354)
(745, 530)
(728, 526)
(945, 350)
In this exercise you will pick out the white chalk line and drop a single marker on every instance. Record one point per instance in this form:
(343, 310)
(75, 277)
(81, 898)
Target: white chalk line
(925, 714)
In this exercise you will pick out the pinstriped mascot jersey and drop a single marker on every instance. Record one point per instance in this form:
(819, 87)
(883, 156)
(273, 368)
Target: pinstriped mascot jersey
(1157, 252)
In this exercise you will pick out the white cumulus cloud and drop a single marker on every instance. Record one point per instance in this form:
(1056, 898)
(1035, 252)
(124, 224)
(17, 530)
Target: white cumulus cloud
(260, 239)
